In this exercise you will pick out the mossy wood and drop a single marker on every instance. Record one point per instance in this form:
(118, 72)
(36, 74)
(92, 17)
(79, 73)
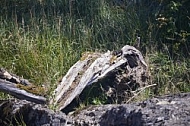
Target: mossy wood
(93, 67)
(13, 90)
(19, 87)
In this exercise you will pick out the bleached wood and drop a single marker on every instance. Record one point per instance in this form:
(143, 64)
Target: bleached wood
(90, 76)
(78, 77)
(11, 89)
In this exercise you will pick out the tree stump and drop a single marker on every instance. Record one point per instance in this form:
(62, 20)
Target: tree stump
(124, 70)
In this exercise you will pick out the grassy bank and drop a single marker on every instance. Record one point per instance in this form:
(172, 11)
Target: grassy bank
(42, 40)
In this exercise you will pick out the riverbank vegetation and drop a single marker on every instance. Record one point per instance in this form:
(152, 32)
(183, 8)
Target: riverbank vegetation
(41, 40)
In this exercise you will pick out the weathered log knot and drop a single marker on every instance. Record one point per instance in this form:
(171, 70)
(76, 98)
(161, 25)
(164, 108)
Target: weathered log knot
(125, 68)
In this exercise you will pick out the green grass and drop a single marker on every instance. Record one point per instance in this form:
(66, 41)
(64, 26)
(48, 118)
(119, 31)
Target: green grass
(41, 42)
(171, 76)
(41, 58)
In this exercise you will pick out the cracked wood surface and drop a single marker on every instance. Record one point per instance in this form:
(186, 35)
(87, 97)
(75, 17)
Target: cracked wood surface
(94, 67)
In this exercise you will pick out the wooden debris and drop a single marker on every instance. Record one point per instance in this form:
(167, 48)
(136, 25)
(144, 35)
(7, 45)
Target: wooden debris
(12, 89)
(128, 62)
(12, 78)
(20, 88)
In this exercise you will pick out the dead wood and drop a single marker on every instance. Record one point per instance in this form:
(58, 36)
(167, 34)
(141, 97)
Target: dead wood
(13, 78)
(125, 67)
(13, 90)
(19, 87)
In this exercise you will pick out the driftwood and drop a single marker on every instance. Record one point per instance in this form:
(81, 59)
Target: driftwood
(126, 65)
(17, 87)
(125, 68)
(13, 78)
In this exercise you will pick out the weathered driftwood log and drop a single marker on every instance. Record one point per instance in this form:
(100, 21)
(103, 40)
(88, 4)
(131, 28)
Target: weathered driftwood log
(12, 78)
(127, 65)
(13, 90)
(20, 88)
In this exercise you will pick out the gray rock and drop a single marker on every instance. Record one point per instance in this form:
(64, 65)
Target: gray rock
(17, 112)
(169, 110)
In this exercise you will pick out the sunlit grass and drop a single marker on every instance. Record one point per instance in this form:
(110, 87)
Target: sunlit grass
(43, 41)
(170, 76)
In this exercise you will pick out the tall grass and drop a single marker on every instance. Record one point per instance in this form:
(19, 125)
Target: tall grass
(41, 40)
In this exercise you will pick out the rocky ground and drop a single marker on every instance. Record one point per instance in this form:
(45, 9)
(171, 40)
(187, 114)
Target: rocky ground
(170, 110)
